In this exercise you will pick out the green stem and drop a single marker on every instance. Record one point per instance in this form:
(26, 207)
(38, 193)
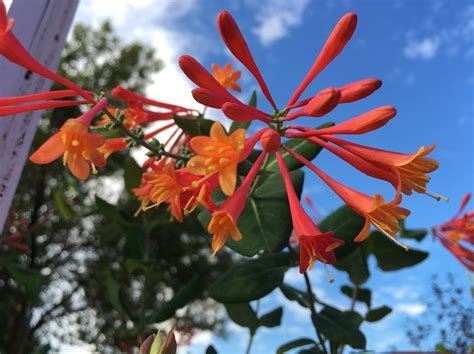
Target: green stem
(140, 141)
(252, 332)
(311, 299)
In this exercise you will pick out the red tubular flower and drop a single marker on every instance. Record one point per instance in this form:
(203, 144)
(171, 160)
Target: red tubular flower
(362, 124)
(318, 106)
(13, 50)
(236, 43)
(122, 94)
(15, 105)
(359, 90)
(224, 220)
(240, 113)
(385, 216)
(413, 168)
(362, 165)
(336, 42)
(349, 93)
(457, 234)
(314, 245)
(271, 141)
(79, 147)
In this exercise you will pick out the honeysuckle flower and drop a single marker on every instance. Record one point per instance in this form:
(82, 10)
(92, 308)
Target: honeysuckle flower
(137, 101)
(457, 234)
(224, 220)
(413, 169)
(180, 189)
(218, 153)
(22, 104)
(404, 172)
(133, 117)
(384, 216)
(14, 51)
(80, 149)
(314, 244)
(226, 76)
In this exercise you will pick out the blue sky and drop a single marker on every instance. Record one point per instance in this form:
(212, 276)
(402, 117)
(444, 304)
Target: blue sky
(422, 50)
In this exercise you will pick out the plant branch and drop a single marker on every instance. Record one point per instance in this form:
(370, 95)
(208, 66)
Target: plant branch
(138, 140)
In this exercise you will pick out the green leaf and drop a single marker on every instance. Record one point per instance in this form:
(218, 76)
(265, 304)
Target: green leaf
(265, 223)
(106, 132)
(303, 147)
(377, 314)
(294, 294)
(415, 234)
(30, 280)
(391, 257)
(296, 343)
(211, 350)
(63, 207)
(250, 280)
(132, 174)
(363, 295)
(442, 349)
(113, 294)
(244, 167)
(272, 318)
(194, 127)
(243, 315)
(180, 299)
(355, 264)
(340, 327)
(113, 213)
(346, 225)
(237, 125)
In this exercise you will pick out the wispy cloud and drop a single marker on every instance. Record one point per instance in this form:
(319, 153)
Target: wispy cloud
(437, 35)
(275, 18)
(425, 48)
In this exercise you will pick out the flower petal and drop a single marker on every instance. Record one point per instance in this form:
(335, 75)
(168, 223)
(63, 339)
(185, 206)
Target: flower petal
(52, 149)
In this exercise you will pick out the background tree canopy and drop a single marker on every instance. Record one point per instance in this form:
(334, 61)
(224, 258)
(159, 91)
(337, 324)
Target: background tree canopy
(84, 258)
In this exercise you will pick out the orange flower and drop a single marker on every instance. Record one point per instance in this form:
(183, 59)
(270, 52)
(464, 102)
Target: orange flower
(412, 168)
(226, 76)
(219, 153)
(384, 216)
(224, 220)
(80, 149)
(179, 188)
(221, 226)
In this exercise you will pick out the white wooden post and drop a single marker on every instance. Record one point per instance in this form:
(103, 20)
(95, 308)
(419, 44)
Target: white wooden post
(42, 27)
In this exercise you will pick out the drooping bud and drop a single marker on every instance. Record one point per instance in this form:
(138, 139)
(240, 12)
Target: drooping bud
(271, 141)
(323, 103)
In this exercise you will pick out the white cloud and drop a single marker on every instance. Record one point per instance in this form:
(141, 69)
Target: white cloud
(411, 309)
(275, 18)
(424, 49)
(436, 35)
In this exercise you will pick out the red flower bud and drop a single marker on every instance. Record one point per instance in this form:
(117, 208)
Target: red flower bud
(323, 103)
(271, 141)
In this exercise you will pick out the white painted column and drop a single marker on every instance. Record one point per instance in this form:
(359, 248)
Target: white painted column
(42, 27)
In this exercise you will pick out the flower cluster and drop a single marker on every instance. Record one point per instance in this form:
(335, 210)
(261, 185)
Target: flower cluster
(457, 234)
(405, 172)
(185, 171)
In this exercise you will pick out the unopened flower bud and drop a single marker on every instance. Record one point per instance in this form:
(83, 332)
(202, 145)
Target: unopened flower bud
(271, 141)
(323, 103)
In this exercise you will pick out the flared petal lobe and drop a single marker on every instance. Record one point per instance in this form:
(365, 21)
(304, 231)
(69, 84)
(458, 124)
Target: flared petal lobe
(219, 153)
